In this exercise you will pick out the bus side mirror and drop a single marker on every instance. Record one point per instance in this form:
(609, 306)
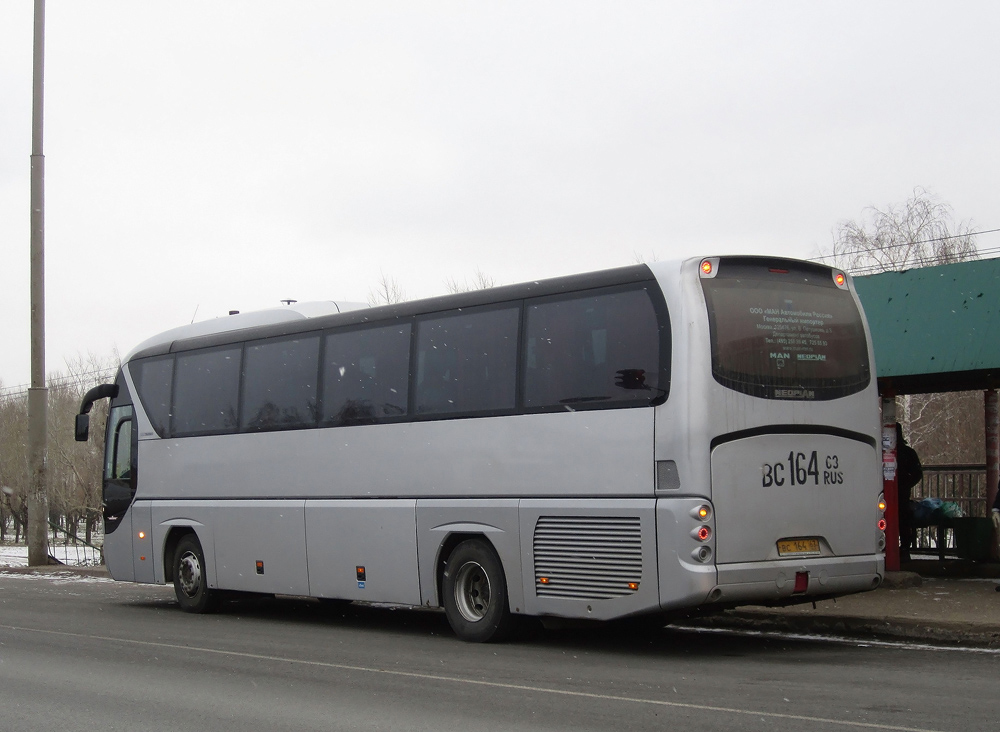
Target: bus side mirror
(82, 427)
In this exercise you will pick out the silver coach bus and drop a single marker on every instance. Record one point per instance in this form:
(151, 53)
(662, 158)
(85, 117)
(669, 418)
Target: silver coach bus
(640, 440)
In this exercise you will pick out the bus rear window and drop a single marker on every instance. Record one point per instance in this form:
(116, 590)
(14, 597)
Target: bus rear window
(784, 331)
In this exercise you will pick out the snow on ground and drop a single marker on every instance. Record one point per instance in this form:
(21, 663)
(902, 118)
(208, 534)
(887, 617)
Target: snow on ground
(14, 555)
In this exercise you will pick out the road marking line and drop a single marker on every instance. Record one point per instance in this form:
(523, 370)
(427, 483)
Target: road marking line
(474, 682)
(907, 645)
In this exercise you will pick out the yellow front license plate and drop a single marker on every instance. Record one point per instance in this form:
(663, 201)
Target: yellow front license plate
(798, 546)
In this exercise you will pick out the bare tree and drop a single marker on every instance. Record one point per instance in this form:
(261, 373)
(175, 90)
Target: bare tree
(387, 291)
(480, 281)
(640, 258)
(74, 472)
(945, 429)
(919, 232)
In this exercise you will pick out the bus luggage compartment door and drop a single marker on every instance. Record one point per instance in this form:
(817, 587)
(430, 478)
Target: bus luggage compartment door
(794, 496)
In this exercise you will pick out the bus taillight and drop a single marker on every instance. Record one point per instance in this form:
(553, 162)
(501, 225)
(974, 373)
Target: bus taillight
(704, 533)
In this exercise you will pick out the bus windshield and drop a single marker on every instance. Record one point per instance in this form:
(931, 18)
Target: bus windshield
(784, 330)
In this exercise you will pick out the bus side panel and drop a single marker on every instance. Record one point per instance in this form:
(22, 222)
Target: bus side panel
(271, 532)
(589, 558)
(587, 453)
(494, 520)
(118, 550)
(686, 565)
(182, 515)
(143, 557)
(363, 550)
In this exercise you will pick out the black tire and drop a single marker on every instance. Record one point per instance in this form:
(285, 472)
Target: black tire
(190, 582)
(475, 593)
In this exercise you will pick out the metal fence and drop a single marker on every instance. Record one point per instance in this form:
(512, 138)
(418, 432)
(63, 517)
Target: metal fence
(74, 550)
(964, 485)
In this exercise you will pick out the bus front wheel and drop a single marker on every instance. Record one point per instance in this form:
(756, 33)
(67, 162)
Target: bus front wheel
(190, 581)
(475, 593)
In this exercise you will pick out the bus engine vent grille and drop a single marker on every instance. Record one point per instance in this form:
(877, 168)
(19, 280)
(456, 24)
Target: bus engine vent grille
(587, 557)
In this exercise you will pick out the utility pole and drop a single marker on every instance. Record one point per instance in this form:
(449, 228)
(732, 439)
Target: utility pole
(38, 395)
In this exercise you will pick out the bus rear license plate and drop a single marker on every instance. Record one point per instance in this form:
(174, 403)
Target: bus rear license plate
(798, 546)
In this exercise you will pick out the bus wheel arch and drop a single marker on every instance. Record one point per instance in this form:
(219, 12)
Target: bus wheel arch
(473, 589)
(189, 575)
(173, 537)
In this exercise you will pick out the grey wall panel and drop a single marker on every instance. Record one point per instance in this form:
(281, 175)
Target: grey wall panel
(379, 535)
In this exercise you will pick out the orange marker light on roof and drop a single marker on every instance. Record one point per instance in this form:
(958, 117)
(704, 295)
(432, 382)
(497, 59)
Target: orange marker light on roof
(839, 278)
(706, 267)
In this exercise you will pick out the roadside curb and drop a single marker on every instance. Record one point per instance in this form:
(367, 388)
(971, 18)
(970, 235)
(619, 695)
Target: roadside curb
(901, 580)
(888, 629)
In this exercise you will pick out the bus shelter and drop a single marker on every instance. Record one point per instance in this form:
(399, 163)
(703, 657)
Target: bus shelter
(934, 329)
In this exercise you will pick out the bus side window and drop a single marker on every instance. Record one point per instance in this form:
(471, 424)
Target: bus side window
(467, 362)
(591, 350)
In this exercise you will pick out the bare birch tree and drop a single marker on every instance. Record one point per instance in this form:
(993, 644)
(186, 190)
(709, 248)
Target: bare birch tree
(387, 291)
(920, 232)
(480, 281)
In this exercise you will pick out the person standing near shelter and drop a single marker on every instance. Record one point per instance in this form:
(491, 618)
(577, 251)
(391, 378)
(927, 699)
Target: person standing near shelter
(908, 473)
(996, 519)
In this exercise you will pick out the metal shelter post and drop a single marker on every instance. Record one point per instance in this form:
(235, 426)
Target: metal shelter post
(992, 409)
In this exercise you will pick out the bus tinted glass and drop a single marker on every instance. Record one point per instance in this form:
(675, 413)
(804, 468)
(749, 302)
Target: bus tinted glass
(592, 350)
(365, 375)
(785, 331)
(206, 386)
(467, 362)
(153, 378)
(279, 383)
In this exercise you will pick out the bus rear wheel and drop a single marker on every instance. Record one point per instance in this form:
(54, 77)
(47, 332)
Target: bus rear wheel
(475, 593)
(190, 581)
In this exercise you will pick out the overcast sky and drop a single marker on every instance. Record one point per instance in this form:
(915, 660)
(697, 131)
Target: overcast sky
(209, 156)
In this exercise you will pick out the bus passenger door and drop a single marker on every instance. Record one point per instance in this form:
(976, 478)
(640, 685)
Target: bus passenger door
(118, 491)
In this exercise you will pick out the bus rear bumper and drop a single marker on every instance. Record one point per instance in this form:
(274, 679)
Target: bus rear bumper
(775, 582)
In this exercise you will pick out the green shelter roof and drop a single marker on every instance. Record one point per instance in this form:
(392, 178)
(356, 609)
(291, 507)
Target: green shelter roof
(935, 328)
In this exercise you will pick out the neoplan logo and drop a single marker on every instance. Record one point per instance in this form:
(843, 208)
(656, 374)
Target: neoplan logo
(794, 394)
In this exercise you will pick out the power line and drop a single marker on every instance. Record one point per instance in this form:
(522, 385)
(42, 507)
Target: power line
(56, 381)
(906, 244)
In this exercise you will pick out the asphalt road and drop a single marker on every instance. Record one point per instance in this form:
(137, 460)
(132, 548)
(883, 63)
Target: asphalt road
(95, 655)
